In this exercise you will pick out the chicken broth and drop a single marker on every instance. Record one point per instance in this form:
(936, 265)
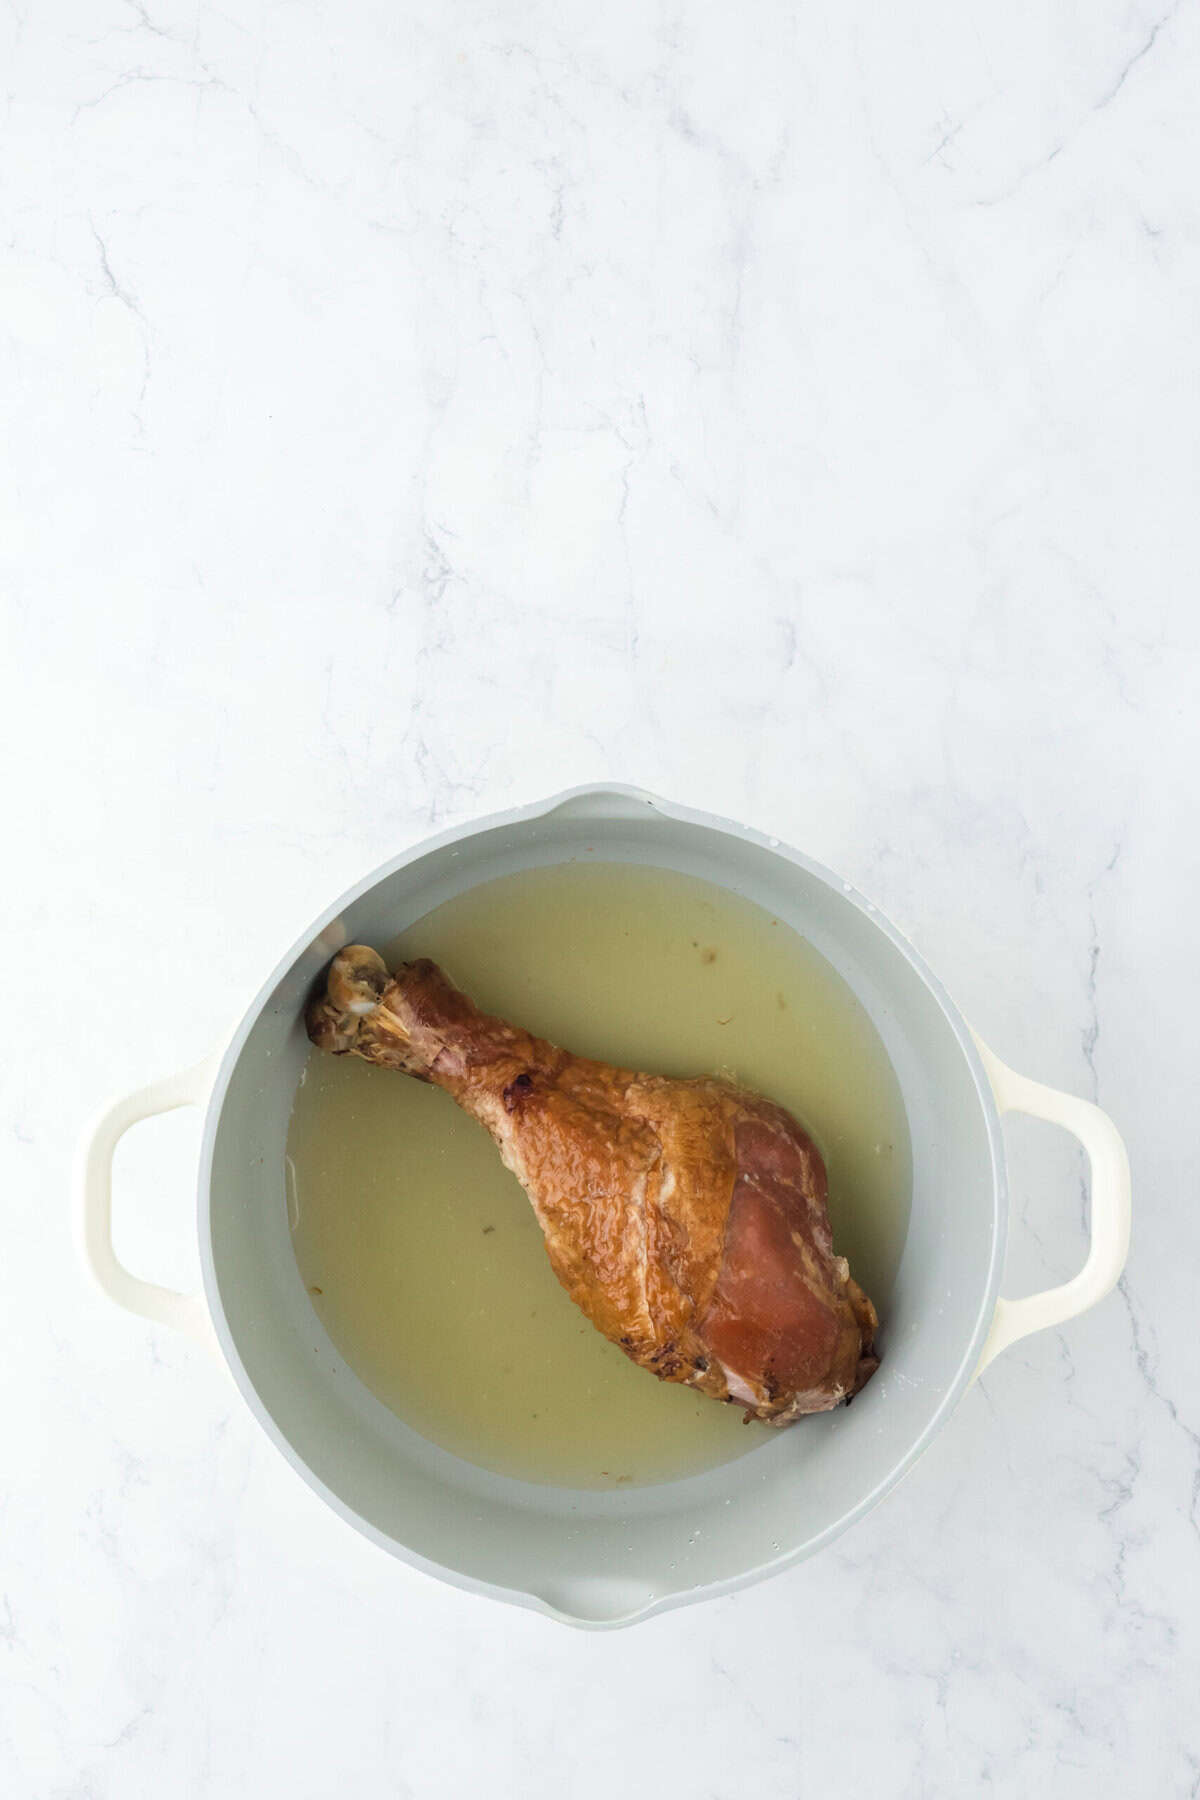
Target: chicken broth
(422, 1254)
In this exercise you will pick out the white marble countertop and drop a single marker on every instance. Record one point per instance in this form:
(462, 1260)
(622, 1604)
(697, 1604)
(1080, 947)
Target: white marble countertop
(416, 408)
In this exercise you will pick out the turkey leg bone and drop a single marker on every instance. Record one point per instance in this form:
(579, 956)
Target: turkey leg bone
(688, 1219)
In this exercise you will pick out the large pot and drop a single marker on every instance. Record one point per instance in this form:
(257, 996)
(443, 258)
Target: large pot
(611, 1558)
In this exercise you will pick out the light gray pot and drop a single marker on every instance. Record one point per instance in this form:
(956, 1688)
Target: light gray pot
(605, 1559)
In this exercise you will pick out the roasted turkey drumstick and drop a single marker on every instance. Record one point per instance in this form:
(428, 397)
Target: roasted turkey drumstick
(688, 1219)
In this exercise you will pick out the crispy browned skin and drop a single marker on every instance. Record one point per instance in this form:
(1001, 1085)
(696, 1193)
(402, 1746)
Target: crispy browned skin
(687, 1219)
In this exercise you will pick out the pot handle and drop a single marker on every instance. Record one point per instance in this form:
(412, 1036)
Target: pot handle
(1110, 1206)
(185, 1312)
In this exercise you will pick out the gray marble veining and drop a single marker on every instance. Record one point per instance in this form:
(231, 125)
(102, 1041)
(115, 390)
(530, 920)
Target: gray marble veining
(413, 409)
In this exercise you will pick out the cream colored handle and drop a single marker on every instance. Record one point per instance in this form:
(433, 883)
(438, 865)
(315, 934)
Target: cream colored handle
(1110, 1206)
(186, 1312)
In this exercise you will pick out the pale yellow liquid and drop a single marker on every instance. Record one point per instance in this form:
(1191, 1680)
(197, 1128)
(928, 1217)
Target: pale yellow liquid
(422, 1253)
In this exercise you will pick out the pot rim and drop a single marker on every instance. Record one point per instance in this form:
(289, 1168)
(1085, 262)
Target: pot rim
(529, 814)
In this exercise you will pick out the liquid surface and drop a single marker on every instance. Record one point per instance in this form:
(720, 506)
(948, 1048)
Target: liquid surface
(421, 1252)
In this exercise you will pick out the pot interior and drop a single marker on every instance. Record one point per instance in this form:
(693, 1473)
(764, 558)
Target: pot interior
(596, 1556)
